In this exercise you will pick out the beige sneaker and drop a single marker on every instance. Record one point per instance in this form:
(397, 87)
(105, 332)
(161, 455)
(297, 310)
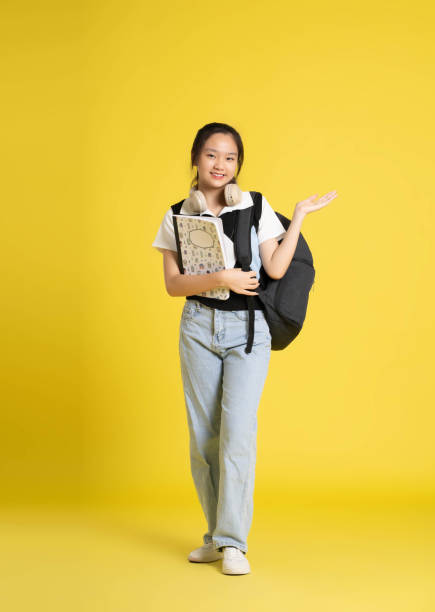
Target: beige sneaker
(234, 561)
(205, 554)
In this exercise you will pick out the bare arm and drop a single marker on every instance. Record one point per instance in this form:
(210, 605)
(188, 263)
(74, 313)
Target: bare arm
(178, 285)
(275, 257)
(183, 284)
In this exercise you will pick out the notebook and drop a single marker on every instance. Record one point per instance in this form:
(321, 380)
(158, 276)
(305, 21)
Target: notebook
(201, 249)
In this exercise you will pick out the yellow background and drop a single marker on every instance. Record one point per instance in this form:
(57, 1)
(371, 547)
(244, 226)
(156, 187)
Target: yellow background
(101, 103)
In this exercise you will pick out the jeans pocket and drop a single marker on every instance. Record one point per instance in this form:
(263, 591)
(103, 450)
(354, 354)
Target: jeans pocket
(190, 311)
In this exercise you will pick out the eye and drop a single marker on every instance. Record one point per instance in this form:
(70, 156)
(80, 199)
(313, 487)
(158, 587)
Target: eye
(211, 155)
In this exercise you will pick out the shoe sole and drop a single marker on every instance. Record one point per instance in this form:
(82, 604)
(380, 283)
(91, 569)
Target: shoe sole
(235, 573)
(210, 560)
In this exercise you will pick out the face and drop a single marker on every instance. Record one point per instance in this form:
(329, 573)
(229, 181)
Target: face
(218, 156)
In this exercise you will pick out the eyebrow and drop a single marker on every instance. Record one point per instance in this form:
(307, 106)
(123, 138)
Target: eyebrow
(216, 151)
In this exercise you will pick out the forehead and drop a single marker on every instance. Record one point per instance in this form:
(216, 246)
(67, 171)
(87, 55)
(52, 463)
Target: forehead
(223, 143)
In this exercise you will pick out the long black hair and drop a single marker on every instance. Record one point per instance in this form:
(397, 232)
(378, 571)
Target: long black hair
(203, 134)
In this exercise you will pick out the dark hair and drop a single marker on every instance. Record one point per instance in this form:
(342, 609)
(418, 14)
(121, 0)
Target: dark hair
(203, 134)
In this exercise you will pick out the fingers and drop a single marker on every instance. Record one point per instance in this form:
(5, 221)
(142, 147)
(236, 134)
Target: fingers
(249, 282)
(329, 195)
(310, 205)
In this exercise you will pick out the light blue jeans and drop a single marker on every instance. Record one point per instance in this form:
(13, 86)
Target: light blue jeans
(222, 389)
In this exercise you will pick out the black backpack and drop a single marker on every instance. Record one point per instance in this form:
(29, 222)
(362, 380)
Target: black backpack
(285, 300)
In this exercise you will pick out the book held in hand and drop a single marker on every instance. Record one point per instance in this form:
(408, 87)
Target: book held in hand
(201, 249)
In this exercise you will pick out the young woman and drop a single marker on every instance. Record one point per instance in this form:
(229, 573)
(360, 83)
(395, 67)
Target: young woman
(223, 383)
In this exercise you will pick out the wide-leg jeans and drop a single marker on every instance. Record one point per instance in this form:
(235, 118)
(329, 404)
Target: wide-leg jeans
(222, 389)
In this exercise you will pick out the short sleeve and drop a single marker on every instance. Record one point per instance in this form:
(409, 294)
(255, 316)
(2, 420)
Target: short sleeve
(269, 225)
(165, 237)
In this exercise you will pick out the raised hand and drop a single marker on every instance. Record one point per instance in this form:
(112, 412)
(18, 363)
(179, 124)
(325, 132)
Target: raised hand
(309, 205)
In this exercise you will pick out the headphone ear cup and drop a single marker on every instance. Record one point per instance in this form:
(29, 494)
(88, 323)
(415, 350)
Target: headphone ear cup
(233, 194)
(196, 202)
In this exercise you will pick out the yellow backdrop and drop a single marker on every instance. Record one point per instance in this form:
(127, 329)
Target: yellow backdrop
(323, 100)
(103, 101)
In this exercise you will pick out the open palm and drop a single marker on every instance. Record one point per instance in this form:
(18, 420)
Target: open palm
(310, 204)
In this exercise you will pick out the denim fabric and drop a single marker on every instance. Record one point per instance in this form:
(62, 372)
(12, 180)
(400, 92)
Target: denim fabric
(222, 389)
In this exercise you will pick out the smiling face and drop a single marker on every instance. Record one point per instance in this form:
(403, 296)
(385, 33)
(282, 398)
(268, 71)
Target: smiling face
(218, 157)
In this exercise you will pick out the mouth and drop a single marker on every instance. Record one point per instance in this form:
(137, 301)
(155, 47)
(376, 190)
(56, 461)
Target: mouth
(217, 176)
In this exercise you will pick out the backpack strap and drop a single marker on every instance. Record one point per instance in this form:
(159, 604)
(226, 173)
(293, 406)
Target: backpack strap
(176, 211)
(177, 207)
(245, 219)
(258, 207)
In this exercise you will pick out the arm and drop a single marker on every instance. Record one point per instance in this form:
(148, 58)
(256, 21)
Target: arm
(178, 285)
(275, 257)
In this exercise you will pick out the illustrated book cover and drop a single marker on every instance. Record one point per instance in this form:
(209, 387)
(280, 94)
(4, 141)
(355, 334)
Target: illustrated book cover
(201, 248)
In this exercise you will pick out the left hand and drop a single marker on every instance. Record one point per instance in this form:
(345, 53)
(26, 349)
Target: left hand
(309, 205)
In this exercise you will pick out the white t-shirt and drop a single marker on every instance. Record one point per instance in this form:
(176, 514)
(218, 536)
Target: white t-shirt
(269, 227)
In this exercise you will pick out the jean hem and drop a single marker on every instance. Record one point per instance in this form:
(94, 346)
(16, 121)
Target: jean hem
(218, 543)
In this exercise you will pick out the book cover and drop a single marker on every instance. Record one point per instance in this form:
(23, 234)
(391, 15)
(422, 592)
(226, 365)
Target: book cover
(201, 249)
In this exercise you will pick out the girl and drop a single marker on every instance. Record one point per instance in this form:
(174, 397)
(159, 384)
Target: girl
(222, 383)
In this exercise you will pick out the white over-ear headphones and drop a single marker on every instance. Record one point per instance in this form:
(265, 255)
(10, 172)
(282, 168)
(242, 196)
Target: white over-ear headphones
(196, 202)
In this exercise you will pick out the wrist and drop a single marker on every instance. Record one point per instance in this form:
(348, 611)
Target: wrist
(298, 216)
(220, 278)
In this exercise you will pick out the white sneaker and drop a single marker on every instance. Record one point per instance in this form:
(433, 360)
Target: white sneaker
(205, 554)
(234, 561)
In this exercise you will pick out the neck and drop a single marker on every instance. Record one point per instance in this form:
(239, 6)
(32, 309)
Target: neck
(215, 197)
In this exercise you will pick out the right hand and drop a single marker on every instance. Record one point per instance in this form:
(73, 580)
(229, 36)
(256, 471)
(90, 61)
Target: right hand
(239, 281)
